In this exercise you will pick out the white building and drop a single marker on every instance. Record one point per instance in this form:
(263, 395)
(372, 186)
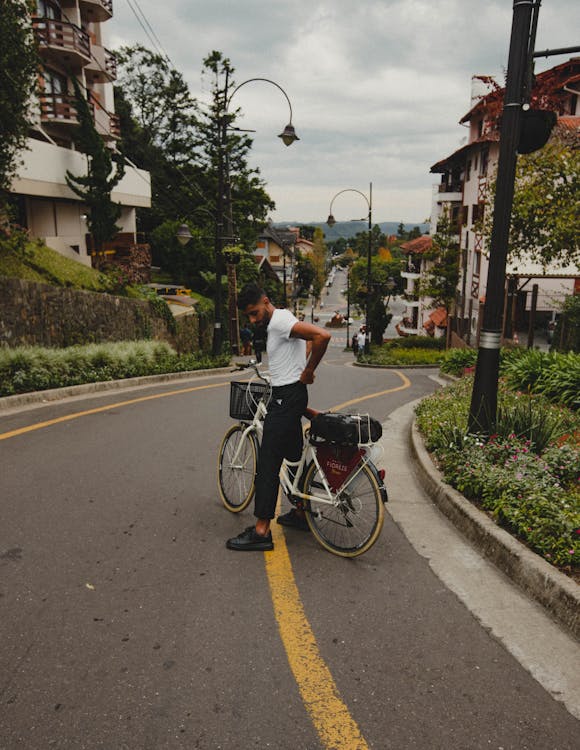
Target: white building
(71, 42)
(462, 189)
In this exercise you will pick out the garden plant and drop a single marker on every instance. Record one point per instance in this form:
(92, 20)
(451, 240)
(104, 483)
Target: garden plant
(525, 475)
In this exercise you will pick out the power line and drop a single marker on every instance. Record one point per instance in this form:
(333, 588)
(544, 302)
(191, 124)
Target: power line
(157, 46)
(144, 17)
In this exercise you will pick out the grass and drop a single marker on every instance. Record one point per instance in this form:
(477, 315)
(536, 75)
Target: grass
(42, 264)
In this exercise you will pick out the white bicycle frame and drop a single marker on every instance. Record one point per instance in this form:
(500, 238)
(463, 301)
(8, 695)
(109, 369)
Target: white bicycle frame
(291, 486)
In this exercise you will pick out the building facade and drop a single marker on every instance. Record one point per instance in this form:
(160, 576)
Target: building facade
(461, 193)
(70, 36)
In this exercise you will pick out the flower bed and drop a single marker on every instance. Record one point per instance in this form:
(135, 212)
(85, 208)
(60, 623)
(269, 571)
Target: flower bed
(526, 479)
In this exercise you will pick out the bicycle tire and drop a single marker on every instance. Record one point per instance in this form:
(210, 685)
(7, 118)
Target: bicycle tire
(237, 485)
(352, 528)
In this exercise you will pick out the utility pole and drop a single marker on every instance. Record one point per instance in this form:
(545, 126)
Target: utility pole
(222, 133)
(483, 410)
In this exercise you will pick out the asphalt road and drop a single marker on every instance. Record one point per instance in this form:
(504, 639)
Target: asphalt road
(126, 624)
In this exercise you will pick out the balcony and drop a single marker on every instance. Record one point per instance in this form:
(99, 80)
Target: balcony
(62, 42)
(103, 65)
(97, 10)
(108, 126)
(455, 186)
(410, 275)
(58, 109)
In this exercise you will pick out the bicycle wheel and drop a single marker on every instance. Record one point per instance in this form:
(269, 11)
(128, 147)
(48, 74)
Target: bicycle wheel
(236, 482)
(353, 525)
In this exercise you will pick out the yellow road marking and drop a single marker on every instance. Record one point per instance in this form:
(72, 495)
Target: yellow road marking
(335, 726)
(330, 716)
(406, 384)
(78, 414)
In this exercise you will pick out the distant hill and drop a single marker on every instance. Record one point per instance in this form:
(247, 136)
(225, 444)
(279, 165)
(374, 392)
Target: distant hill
(348, 229)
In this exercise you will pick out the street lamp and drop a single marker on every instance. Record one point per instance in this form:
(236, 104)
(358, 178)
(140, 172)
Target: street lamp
(331, 221)
(224, 206)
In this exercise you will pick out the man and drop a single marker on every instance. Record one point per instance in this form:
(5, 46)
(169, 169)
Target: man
(246, 339)
(361, 339)
(291, 372)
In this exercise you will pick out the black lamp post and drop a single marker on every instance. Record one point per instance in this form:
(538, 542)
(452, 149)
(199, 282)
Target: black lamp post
(483, 410)
(223, 207)
(331, 221)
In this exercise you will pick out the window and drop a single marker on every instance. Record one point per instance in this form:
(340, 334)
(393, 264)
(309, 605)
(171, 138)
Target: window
(468, 171)
(484, 161)
(48, 9)
(54, 83)
(476, 263)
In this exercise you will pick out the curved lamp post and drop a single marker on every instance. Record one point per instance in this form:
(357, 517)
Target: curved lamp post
(223, 208)
(331, 221)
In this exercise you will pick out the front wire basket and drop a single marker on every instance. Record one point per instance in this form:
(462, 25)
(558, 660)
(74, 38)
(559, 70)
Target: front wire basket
(245, 397)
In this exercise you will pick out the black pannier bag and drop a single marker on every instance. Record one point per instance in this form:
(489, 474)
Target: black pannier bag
(345, 429)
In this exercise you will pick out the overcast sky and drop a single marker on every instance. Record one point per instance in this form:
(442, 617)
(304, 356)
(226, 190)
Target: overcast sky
(377, 86)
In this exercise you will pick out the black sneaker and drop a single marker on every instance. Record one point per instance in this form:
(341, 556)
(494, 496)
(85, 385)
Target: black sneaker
(251, 541)
(293, 520)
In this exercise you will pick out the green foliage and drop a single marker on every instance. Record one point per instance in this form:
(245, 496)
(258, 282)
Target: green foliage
(545, 219)
(18, 66)
(184, 263)
(440, 281)
(381, 272)
(567, 333)
(456, 360)
(401, 356)
(555, 375)
(526, 475)
(35, 368)
(417, 342)
(168, 133)
(95, 187)
(36, 262)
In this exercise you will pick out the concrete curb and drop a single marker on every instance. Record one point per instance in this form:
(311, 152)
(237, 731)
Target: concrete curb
(57, 394)
(557, 593)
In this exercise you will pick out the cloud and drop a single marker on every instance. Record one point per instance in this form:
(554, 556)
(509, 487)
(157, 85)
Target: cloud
(377, 87)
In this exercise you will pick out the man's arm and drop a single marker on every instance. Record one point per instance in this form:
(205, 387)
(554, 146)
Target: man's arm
(317, 341)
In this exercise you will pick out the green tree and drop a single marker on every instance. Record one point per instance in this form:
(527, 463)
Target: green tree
(319, 259)
(567, 333)
(360, 242)
(381, 272)
(18, 66)
(440, 281)
(545, 220)
(305, 273)
(95, 187)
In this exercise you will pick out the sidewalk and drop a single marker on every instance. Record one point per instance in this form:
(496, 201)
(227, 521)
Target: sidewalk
(498, 579)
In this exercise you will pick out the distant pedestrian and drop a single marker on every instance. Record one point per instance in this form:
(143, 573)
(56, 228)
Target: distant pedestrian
(354, 344)
(246, 339)
(361, 339)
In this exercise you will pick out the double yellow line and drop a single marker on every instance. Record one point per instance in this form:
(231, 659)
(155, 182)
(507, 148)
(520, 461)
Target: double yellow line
(336, 728)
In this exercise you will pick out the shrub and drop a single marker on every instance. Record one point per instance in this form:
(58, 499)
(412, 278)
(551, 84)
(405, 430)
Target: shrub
(36, 368)
(456, 360)
(417, 342)
(396, 356)
(526, 475)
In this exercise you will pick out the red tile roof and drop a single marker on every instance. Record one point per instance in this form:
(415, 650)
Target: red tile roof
(418, 246)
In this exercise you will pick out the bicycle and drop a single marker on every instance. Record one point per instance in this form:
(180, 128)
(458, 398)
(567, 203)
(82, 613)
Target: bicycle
(338, 486)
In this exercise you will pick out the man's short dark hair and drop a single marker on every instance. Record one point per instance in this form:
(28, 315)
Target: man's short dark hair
(251, 294)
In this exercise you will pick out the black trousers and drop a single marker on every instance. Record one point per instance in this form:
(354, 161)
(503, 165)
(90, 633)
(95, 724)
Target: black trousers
(282, 439)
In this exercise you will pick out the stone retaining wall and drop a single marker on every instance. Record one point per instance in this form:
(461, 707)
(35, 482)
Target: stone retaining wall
(33, 314)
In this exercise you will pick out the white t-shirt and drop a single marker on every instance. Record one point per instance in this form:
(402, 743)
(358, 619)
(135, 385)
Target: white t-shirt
(286, 355)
